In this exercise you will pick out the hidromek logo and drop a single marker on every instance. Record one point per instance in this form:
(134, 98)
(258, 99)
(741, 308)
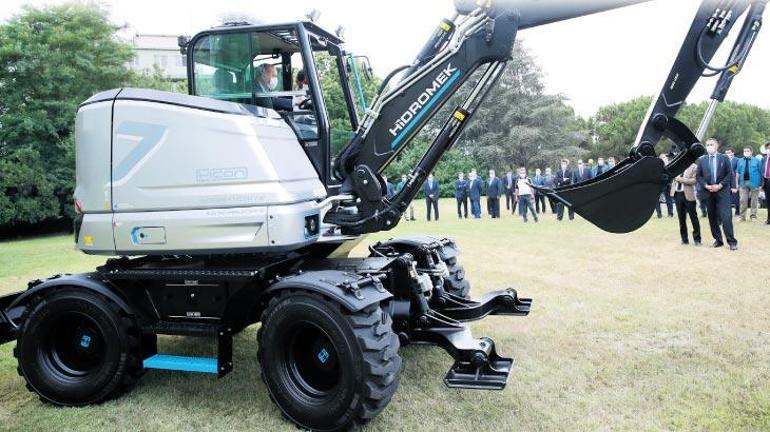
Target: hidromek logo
(422, 100)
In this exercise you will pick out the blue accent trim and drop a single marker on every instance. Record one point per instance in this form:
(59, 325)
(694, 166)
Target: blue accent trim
(323, 355)
(85, 341)
(181, 363)
(134, 237)
(425, 108)
(149, 134)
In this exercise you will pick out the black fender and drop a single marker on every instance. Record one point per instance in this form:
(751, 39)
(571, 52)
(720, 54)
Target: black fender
(91, 281)
(353, 291)
(446, 248)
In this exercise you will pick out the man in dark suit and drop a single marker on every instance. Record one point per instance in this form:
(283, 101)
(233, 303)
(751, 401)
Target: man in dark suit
(494, 190)
(509, 182)
(601, 168)
(461, 195)
(766, 177)
(734, 197)
(474, 192)
(666, 196)
(431, 191)
(581, 174)
(715, 179)
(563, 178)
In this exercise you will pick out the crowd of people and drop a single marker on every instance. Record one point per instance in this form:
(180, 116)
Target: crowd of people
(718, 182)
(519, 189)
(715, 183)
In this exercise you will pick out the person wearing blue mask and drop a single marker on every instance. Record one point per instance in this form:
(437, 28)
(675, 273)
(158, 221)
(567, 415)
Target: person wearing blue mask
(714, 179)
(461, 195)
(748, 177)
(431, 190)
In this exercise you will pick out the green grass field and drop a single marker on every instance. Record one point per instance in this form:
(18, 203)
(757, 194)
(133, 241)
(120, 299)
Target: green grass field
(627, 332)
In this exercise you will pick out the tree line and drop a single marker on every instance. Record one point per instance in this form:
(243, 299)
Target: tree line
(55, 57)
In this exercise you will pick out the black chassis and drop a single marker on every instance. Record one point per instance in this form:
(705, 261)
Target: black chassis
(219, 296)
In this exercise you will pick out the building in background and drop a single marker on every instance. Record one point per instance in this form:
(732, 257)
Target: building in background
(160, 50)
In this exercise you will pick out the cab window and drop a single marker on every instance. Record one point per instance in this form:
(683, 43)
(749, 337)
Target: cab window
(255, 68)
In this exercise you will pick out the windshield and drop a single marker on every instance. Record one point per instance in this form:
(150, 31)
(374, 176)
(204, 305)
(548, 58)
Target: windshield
(255, 67)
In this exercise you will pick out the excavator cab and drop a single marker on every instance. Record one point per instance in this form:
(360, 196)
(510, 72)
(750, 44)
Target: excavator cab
(279, 67)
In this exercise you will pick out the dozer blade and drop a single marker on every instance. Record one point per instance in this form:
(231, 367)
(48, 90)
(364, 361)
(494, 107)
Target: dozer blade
(619, 201)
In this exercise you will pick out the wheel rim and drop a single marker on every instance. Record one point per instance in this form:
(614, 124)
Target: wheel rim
(74, 347)
(312, 362)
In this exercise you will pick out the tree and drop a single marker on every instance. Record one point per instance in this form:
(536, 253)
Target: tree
(517, 125)
(616, 126)
(331, 87)
(520, 125)
(734, 125)
(51, 59)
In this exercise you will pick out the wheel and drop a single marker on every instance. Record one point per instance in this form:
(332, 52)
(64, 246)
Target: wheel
(456, 283)
(76, 347)
(327, 368)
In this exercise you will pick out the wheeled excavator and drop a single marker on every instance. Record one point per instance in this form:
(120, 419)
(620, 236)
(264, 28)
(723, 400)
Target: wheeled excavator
(240, 202)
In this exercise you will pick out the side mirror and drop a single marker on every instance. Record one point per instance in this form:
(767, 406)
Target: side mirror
(366, 66)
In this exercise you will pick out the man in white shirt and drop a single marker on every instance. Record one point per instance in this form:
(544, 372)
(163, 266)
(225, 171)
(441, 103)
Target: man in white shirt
(525, 194)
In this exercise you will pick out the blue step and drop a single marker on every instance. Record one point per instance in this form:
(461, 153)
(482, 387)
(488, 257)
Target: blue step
(181, 363)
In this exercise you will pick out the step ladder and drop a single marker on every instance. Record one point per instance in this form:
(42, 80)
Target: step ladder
(220, 365)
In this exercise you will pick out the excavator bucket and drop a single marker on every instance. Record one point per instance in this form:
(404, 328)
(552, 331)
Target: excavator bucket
(620, 200)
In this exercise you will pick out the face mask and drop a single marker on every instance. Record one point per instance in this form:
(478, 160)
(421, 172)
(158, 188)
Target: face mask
(711, 149)
(522, 175)
(746, 154)
(304, 86)
(273, 83)
(563, 167)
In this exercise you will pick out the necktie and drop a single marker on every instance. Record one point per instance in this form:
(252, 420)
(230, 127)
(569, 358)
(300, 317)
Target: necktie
(713, 169)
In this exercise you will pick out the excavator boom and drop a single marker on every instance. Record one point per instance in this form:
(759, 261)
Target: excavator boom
(479, 40)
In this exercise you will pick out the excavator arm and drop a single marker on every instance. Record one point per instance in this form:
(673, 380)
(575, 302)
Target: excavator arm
(477, 43)
(623, 198)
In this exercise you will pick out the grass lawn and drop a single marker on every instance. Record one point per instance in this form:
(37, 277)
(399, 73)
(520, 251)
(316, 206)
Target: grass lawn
(627, 332)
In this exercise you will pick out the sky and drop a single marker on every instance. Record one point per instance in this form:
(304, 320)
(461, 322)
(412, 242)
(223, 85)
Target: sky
(594, 61)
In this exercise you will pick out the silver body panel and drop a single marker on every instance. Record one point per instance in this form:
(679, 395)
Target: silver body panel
(167, 178)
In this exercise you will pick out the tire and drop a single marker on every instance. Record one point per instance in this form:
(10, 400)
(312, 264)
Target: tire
(456, 283)
(76, 347)
(326, 368)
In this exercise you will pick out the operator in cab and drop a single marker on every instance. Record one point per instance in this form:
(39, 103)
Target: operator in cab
(266, 81)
